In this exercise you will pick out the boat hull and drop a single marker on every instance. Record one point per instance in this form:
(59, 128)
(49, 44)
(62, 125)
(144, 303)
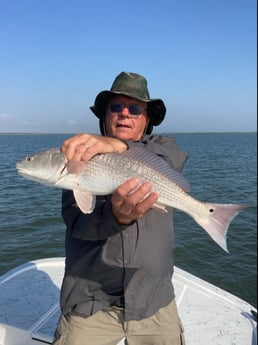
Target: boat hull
(29, 307)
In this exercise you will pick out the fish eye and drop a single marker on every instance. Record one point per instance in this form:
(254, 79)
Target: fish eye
(29, 159)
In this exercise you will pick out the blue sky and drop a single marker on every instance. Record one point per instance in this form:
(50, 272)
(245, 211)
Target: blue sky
(199, 56)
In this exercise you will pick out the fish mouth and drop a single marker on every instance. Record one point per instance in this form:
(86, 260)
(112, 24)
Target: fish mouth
(23, 172)
(20, 169)
(26, 174)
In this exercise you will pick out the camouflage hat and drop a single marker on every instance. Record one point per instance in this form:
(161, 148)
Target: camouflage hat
(135, 86)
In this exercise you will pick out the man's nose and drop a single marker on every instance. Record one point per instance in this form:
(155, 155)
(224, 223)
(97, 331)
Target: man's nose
(125, 111)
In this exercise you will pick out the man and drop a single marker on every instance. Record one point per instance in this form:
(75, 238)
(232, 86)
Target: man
(119, 259)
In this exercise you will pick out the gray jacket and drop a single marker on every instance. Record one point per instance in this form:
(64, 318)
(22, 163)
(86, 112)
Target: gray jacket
(106, 261)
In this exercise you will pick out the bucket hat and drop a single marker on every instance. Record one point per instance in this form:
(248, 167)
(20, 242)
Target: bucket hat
(135, 86)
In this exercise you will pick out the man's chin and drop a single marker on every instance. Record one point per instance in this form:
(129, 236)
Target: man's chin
(123, 133)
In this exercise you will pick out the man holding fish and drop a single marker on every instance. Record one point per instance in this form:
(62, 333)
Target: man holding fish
(119, 258)
(120, 190)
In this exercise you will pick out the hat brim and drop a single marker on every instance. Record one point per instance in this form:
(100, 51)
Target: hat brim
(156, 109)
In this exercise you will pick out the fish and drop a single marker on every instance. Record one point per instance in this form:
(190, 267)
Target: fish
(103, 173)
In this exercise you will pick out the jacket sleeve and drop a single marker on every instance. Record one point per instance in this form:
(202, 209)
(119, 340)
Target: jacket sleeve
(164, 147)
(101, 224)
(98, 225)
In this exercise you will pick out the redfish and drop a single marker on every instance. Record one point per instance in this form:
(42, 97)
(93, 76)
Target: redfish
(105, 172)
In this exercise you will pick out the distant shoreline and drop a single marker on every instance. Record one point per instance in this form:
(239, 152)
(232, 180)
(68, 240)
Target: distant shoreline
(67, 133)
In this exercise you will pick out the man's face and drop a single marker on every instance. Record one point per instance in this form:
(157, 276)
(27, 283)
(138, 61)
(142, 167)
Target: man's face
(122, 122)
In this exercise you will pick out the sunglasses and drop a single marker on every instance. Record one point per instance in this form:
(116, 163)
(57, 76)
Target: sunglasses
(134, 109)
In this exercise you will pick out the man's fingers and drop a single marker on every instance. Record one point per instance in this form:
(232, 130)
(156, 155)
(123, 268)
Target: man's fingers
(131, 200)
(81, 147)
(74, 147)
(144, 206)
(140, 193)
(125, 189)
(85, 146)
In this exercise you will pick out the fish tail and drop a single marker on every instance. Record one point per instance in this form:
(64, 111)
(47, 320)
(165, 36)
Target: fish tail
(218, 220)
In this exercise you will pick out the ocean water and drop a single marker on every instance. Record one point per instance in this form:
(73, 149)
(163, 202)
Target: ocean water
(221, 168)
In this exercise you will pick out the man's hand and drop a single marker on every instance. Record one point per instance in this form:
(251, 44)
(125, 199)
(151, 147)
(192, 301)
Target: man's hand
(85, 146)
(132, 200)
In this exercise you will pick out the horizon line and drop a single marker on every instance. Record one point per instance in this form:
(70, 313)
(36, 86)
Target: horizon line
(176, 132)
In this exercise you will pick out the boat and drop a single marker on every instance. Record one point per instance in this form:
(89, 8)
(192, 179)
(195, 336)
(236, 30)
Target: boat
(29, 307)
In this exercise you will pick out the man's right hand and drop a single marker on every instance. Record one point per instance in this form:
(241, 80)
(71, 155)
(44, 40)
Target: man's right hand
(85, 146)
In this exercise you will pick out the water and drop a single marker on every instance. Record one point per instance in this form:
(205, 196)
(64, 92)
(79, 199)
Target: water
(221, 168)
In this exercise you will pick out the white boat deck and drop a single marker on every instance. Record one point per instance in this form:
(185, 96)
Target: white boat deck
(29, 307)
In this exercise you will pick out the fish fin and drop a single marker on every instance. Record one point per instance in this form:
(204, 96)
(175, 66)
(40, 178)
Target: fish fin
(71, 172)
(217, 223)
(160, 208)
(75, 167)
(86, 201)
(157, 163)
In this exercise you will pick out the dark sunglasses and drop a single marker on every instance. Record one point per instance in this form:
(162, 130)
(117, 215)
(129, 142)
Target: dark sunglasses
(134, 109)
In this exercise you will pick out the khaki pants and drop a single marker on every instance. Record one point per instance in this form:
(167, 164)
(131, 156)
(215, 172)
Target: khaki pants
(107, 327)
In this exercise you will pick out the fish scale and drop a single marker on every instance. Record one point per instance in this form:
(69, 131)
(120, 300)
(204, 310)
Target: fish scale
(105, 172)
(96, 180)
